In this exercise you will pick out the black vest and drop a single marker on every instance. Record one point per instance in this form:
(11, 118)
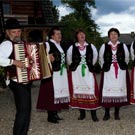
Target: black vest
(76, 58)
(11, 69)
(120, 54)
(57, 55)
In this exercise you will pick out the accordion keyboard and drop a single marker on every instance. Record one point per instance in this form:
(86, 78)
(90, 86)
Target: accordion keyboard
(20, 55)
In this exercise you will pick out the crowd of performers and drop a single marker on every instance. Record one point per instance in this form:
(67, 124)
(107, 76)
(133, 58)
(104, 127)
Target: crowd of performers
(73, 82)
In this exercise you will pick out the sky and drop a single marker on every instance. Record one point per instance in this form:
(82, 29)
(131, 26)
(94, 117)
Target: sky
(108, 13)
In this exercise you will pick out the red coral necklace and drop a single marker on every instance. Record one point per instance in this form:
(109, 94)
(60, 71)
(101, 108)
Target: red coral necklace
(81, 47)
(114, 48)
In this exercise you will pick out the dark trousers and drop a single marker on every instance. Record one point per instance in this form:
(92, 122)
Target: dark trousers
(22, 96)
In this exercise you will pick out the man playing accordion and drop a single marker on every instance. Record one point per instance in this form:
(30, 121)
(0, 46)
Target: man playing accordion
(21, 91)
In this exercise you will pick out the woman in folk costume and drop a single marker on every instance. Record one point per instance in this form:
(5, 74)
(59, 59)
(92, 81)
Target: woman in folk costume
(54, 91)
(132, 50)
(115, 84)
(81, 57)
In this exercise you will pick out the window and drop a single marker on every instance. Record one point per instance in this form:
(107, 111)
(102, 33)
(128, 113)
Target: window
(6, 9)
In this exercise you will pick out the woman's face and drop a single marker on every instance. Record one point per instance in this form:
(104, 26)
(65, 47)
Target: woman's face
(57, 36)
(81, 37)
(113, 36)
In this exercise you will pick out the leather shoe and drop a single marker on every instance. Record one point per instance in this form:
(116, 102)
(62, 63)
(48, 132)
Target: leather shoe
(57, 117)
(117, 118)
(81, 118)
(94, 116)
(52, 120)
(106, 118)
(95, 119)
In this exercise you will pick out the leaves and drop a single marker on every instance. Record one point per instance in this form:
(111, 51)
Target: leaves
(2, 72)
(55, 14)
(80, 18)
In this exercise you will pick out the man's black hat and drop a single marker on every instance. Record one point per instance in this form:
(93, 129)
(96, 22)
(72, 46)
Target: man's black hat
(12, 23)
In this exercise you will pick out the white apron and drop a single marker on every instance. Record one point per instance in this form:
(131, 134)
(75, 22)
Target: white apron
(83, 87)
(114, 90)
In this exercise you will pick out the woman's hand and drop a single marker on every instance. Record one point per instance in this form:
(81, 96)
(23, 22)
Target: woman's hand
(51, 57)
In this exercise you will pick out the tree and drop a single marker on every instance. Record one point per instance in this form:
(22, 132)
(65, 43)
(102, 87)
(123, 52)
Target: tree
(55, 14)
(80, 18)
(81, 7)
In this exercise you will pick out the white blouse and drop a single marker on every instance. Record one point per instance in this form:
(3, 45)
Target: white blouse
(132, 51)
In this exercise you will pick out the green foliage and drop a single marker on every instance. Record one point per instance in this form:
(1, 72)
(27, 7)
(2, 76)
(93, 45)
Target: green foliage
(2, 72)
(81, 9)
(55, 14)
(79, 4)
(80, 18)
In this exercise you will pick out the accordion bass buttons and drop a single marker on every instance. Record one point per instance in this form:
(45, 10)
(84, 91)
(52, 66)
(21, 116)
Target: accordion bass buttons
(26, 62)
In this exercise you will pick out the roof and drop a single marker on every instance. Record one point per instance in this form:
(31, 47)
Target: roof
(127, 38)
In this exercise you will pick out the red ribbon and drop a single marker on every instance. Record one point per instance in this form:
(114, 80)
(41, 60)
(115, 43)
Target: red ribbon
(115, 64)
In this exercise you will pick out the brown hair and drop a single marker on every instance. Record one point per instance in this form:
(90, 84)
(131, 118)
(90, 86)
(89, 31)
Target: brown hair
(115, 30)
(51, 33)
(76, 33)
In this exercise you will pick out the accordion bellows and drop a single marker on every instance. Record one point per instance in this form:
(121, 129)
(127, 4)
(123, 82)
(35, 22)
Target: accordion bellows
(36, 60)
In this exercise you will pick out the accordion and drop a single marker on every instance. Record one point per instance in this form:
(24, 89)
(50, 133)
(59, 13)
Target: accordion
(36, 60)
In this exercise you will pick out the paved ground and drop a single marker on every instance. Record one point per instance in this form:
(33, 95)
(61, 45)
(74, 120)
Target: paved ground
(70, 125)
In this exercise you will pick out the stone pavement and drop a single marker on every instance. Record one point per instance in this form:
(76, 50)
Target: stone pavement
(70, 125)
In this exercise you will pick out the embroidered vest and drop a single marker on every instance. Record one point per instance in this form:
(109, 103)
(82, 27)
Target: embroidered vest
(120, 54)
(56, 64)
(76, 58)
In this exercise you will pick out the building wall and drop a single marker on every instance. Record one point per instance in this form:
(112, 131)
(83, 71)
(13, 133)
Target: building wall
(28, 13)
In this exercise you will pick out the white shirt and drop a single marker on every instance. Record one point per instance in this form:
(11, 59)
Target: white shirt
(69, 53)
(102, 49)
(56, 44)
(5, 51)
(132, 51)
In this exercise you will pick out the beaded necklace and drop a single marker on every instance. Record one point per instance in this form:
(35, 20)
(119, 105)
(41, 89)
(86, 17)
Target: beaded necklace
(114, 48)
(81, 47)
